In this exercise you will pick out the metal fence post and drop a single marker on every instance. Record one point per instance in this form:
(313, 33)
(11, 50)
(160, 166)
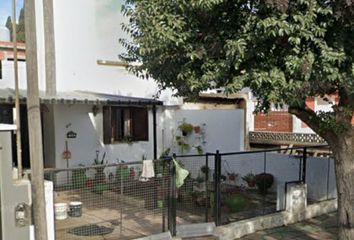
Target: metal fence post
(304, 157)
(172, 198)
(217, 186)
(207, 201)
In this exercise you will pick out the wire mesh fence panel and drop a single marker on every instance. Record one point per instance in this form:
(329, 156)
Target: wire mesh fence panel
(253, 183)
(322, 186)
(194, 197)
(112, 202)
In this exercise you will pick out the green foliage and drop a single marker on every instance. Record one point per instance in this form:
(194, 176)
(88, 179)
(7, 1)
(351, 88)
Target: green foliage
(282, 52)
(20, 27)
(165, 153)
(99, 188)
(78, 178)
(9, 25)
(199, 149)
(264, 181)
(186, 128)
(235, 203)
(122, 173)
(250, 178)
(182, 144)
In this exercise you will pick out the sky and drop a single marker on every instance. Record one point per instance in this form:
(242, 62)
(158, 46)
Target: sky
(6, 9)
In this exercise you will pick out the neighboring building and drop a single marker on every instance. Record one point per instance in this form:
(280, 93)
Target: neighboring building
(280, 128)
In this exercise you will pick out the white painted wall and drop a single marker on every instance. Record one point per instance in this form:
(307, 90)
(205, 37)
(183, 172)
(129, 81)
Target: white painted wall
(89, 129)
(224, 129)
(8, 75)
(297, 126)
(87, 31)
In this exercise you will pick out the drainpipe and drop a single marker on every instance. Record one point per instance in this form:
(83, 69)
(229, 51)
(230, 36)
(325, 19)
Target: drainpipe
(154, 130)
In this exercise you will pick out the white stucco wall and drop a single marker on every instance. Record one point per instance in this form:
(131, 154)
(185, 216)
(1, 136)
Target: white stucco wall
(8, 75)
(87, 31)
(89, 129)
(224, 129)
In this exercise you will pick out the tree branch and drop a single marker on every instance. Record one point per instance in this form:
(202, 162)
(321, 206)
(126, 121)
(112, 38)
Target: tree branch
(308, 116)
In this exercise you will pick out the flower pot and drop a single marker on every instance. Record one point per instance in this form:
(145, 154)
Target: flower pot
(89, 183)
(251, 183)
(197, 129)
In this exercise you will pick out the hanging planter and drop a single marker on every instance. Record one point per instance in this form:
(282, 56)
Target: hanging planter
(197, 129)
(186, 128)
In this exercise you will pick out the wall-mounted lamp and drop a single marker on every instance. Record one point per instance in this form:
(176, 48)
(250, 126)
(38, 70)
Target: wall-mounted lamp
(95, 110)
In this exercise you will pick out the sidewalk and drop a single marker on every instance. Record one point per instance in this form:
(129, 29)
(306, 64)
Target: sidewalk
(320, 228)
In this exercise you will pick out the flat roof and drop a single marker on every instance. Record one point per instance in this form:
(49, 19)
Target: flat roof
(7, 95)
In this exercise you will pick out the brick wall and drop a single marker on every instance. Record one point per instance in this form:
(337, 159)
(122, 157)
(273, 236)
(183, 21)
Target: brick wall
(273, 122)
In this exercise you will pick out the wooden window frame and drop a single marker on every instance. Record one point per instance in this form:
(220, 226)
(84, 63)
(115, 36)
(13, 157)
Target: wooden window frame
(125, 124)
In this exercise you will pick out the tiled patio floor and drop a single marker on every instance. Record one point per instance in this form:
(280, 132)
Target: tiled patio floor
(320, 228)
(127, 220)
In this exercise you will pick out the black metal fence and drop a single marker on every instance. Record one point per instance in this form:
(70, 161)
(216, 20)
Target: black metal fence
(228, 187)
(221, 187)
(110, 200)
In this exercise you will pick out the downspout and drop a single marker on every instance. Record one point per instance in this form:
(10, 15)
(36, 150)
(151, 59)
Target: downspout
(154, 130)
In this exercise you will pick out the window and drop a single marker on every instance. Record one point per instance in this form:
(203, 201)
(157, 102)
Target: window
(6, 115)
(125, 124)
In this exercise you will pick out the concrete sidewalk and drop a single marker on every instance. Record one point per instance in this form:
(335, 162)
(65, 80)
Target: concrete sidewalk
(321, 228)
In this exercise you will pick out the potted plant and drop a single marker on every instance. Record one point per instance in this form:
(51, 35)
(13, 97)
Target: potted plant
(232, 176)
(100, 175)
(122, 173)
(197, 129)
(79, 177)
(182, 144)
(204, 169)
(186, 128)
(264, 181)
(199, 149)
(250, 179)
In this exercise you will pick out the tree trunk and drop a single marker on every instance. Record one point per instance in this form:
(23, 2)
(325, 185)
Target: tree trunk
(344, 155)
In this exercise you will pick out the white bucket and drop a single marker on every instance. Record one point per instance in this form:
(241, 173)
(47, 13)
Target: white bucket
(61, 211)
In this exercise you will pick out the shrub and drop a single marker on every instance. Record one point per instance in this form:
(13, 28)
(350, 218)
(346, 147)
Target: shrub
(235, 203)
(264, 181)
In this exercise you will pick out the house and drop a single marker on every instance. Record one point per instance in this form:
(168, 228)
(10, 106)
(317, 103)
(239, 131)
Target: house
(77, 124)
(115, 114)
(280, 128)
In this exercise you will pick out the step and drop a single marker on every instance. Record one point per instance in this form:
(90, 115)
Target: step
(196, 230)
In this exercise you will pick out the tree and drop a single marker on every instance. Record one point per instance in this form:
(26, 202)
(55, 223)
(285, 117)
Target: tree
(9, 25)
(284, 51)
(20, 27)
